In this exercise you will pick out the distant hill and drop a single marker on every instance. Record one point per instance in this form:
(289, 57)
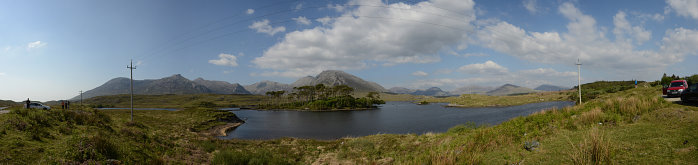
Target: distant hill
(546, 87)
(222, 87)
(262, 87)
(508, 89)
(4, 103)
(433, 91)
(401, 90)
(175, 84)
(472, 90)
(336, 77)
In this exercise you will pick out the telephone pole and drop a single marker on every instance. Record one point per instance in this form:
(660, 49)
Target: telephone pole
(131, 67)
(579, 80)
(80, 99)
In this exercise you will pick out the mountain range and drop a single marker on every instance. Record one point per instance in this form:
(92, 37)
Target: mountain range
(547, 87)
(176, 84)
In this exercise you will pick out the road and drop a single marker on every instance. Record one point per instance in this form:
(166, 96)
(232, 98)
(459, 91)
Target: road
(673, 99)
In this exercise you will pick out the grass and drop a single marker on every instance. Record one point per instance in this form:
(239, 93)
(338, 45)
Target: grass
(476, 100)
(91, 136)
(633, 126)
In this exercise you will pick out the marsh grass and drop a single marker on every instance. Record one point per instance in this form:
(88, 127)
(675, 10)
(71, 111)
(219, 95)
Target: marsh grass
(594, 149)
(633, 122)
(477, 100)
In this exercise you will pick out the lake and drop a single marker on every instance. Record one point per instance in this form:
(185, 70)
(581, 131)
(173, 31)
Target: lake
(389, 118)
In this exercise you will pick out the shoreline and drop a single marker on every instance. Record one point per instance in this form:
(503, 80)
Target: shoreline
(220, 130)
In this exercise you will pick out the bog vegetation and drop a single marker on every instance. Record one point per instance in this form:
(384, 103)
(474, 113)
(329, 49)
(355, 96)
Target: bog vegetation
(633, 126)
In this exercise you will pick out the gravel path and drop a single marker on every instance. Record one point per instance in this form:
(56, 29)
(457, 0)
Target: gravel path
(673, 99)
(4, 111)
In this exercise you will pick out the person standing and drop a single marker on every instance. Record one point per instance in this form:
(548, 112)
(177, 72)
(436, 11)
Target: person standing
(67, 105)
(27, 103)
(63, 104)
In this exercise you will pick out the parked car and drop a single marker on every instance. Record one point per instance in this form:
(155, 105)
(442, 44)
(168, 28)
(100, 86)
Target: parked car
(691, 94)
(676, 88)
(38, 106)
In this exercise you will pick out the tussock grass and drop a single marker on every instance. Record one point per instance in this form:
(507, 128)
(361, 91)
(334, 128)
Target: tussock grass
(595, 149)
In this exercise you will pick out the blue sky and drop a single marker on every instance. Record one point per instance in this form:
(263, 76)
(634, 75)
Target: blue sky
(50, 50)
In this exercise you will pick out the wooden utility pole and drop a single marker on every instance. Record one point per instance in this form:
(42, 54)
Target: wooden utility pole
(80, 99)
(579, 80)
(131, 67)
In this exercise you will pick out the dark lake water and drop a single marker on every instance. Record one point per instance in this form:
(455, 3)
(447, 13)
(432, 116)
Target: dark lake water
(390, 118)
(145, 109)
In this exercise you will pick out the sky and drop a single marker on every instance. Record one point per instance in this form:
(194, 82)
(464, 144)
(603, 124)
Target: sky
(51, 50)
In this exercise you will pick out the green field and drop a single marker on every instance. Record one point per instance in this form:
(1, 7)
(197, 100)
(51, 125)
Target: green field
(633, 126)
(477, 100)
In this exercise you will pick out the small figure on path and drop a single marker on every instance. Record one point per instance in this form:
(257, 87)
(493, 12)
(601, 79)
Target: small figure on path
(63, 104)
(67, 105)
(28, 103)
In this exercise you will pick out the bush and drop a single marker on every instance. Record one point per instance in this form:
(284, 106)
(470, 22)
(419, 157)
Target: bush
(595, 149)
(246, 157)
(94, 148)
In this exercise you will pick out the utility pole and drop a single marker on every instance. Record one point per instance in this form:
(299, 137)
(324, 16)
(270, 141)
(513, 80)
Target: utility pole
(579, 80)
(131, 67)
(80, 99)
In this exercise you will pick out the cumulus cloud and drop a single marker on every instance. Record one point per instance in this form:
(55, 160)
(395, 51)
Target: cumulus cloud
(686, 8)
(302, 20)
(225, 60)
(623, 29)
(585, 40)
(420, 73)
(678, 42)
(264, 27)
(35, 44)
(250, 11)
(530, 5)
(397, 34)
(324, 20)
(487, 67)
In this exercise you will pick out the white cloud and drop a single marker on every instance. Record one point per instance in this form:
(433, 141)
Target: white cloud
(35, 44)
(250, 11)
(584, 40)
(324, 20)
(679, 42)
(686, 8)
(359, 36)
(487, 67)
(420, 73)
(298, 6)
(623, 29)
(225, 60)
(264, 27)
(302, 20)
(530, 5)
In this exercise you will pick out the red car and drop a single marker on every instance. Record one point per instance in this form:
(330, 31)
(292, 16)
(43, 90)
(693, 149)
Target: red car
(676, 88)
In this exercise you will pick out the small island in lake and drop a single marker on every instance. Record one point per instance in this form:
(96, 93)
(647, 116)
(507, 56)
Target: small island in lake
(321, 97)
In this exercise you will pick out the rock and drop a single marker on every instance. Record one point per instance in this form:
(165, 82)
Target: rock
(531, 145)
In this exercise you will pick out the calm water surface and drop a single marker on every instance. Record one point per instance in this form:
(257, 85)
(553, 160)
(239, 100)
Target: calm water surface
(390, 118)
